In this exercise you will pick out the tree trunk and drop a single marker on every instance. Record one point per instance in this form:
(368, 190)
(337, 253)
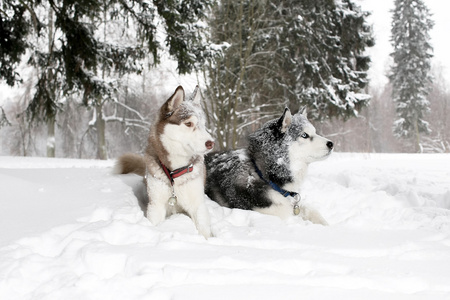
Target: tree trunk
(100, 124)
(51, 141)
(101, 139)
(417, 137)
(445, 116)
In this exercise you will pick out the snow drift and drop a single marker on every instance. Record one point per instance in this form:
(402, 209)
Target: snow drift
(69, 229)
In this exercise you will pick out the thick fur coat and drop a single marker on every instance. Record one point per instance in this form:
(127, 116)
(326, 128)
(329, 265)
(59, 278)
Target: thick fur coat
(281, 149)
(177, 139)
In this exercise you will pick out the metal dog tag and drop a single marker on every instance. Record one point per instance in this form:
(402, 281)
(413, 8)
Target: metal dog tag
(296, 209)
(173, 200)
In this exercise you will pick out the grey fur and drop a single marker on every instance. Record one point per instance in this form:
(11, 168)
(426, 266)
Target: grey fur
(231, 177)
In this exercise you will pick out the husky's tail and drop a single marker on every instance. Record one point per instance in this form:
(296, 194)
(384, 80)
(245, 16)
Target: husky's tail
(130, 163)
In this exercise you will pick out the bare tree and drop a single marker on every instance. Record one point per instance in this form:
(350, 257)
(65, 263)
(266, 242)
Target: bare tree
(439, 139)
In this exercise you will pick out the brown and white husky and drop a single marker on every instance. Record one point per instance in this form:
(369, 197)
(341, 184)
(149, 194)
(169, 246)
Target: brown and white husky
(173, 164)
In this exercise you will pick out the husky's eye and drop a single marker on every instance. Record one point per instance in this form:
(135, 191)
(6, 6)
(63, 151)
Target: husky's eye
(188, 124)
(305, 135)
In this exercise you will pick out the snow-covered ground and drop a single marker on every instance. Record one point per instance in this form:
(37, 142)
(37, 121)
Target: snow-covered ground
(69, 229)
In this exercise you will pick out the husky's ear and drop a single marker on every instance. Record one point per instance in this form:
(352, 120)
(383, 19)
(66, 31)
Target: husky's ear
(196, 95)
(174, 101)
(304, 111)
(285, 121)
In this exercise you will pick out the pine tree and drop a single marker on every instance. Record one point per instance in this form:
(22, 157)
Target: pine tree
(79, 57)
(14, 28)
(410, 75)
(325, 51)
(283, 52)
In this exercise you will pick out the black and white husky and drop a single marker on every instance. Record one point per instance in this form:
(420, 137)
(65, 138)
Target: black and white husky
(266, 176)
(173, 164)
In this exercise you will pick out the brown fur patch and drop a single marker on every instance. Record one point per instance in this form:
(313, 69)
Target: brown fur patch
(130, 163)
(168, 114)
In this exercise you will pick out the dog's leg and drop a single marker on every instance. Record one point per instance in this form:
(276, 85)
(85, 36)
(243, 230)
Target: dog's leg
(193, 203)
(156, 212)
(284, 210)
(157, 197)
(200, 216)
(310, 214)
(196, 209)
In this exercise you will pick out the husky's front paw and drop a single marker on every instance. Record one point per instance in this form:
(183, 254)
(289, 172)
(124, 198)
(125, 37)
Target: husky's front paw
(201, 218)
(205, 231)
(312, 215)
(156, 214)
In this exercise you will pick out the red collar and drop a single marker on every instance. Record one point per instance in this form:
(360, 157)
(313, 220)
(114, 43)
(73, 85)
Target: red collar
(176, 173)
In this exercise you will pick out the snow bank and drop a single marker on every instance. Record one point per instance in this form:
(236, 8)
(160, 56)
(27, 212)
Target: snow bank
(71, 230)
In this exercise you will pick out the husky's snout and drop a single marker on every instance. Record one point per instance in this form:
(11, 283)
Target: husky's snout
(330, 145)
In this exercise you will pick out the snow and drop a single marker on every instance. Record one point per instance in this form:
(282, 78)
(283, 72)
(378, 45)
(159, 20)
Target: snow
(69, 229)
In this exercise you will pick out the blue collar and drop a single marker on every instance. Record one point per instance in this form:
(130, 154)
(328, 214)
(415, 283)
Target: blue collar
(273, 184)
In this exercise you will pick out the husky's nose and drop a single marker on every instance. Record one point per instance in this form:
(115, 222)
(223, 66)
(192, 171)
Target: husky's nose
(209, 145)
(330, 145)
